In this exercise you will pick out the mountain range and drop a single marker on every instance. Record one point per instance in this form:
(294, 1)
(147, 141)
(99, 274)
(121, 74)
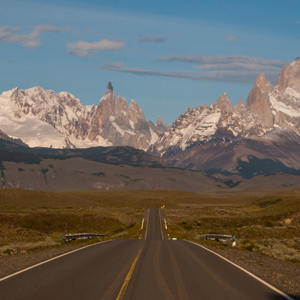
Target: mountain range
(118, 168)
(260, 137)
(41, 118)
(257, 138)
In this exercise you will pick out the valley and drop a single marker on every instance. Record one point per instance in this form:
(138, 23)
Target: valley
(150, 150)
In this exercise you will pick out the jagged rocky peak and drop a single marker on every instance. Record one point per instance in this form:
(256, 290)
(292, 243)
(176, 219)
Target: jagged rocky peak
(106, 108)
(224, 103)
(62, 121)
(240, 103)
(159, 120)
(135, 111)
(161, 126)
(289, 76)
(262, 83)
(257, 101)
(109, 88)
(240, 106)
(121, 107)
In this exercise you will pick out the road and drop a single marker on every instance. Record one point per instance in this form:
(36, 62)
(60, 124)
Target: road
(153, 268)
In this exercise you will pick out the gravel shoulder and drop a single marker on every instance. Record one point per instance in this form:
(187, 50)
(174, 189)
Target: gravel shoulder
(283, 275)
(13, 263)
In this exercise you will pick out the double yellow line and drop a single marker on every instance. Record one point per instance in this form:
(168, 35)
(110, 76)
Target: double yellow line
(128, 277)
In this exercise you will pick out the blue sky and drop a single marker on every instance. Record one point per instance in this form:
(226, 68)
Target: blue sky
(166, 55)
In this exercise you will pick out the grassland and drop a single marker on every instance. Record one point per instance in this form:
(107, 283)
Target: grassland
(35, 220)
(267, 228)
(269, 225)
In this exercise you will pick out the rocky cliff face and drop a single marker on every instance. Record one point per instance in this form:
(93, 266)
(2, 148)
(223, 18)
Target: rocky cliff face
(257, 101)
(289, 77)
(202, 137)
(42, 118)
(224, 103)
(278, 105)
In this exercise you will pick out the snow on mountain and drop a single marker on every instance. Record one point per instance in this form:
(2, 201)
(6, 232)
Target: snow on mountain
(281, 135)
(218, 136)
(283, 100)
(204, 124)
(271, 114)
(29, 129)
(42, 118)
(279, 106)
(195, 125)
(154, 136)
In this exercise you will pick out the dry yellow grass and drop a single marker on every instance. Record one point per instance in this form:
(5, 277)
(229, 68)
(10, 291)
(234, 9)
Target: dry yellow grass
(119, 213)
(138, 199)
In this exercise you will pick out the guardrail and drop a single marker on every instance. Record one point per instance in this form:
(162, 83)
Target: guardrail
(84, 236)
(221, 237)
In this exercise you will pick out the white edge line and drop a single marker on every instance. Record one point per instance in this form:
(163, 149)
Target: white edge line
(249, 273)
(147, 224)
(51, 259)
(160, 225)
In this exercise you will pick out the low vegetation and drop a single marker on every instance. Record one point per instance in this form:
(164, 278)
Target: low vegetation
(32, 221)
(270, 225)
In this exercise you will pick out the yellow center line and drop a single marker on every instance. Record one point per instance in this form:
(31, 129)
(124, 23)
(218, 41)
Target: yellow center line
(128, 277)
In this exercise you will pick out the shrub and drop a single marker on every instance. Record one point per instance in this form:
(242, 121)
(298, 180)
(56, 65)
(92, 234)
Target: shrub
(282, 250)
(270, 224)
(200, 237)
(248, 245)
(185, 225)
(294, 260)
(8, 251)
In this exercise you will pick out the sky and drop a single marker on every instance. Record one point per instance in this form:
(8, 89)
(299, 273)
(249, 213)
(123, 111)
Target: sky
(166, 55)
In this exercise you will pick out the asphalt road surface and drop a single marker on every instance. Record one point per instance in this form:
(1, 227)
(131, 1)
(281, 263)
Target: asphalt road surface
(153, 268)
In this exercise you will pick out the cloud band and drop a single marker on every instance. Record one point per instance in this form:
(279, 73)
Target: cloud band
(86, 49)
(235, 76)
(31, 40)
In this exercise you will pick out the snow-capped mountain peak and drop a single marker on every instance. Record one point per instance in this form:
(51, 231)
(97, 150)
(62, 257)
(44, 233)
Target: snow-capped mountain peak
(268, 112)
(42, 118)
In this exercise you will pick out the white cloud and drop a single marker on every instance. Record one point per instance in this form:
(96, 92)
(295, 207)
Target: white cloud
(31, 40)
(152, 39)
(4, 36)
(9, 28)
(227, 62)
(86, 49)
(231, 39)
